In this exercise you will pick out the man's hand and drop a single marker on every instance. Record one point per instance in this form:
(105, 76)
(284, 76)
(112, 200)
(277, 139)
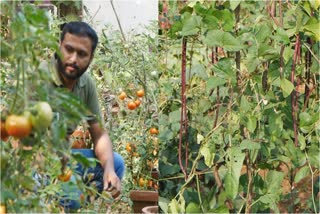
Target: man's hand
(111, 183)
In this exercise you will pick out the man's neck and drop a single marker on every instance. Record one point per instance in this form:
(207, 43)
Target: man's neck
(68, 83)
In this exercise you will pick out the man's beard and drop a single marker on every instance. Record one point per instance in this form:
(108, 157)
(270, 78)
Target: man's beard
(72, 76)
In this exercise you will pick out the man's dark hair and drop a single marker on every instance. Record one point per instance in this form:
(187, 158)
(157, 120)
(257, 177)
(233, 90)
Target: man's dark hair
(80, 29)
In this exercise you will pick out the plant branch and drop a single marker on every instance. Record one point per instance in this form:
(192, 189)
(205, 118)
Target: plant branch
(250, 184)
(183, 118)
(312, 183)
(118, 20)
(293, 93)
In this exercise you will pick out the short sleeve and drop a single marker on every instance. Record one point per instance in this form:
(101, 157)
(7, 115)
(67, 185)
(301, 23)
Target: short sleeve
(92, 100)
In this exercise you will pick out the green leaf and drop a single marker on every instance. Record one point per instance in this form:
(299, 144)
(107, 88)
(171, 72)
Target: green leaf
(191, 26)
(313, 26)
(271, 200)
(163, 204)
(221, 209)
(177, 206)
(302, 141)
(236, 158)
(199, 70)
(193, 208)
(282, 36)
(234, 4)
(174, 116)
(250, 145)
(251, 123)
(245, 105)
(268, 52)
(305, 119)
(208, 153)
(314, 4)
(286, 86)
(199, 138)
(231, 185)
(222, 39)
(302, 173)
(86, 162)
(226, 19)
(273, 181)
(262, 33)
(214, 82)
(211, 22)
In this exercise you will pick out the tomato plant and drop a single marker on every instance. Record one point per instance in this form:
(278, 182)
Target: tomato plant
(132, 64)
(35, 114)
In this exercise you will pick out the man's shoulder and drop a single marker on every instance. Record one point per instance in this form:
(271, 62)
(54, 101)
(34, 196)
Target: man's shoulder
(87, 80)
(46, 64)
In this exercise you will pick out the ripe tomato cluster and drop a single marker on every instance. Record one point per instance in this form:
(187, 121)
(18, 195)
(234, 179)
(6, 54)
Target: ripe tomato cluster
(131, 149)
(39, 117)
(135, 103)
(150, 184)
(65, 176)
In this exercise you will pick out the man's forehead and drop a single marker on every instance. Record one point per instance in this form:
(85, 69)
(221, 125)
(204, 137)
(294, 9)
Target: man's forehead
(79, 42)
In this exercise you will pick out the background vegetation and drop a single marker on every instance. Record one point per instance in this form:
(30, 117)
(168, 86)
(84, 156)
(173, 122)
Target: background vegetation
(239, 104)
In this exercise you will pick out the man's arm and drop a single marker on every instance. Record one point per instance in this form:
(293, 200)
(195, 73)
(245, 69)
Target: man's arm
(104, 153)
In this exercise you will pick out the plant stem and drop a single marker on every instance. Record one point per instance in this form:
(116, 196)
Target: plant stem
(293, 93)
(17, 87)
(183, 119)
(312, 184)
(118, 20)
(249, 191)
(198, 190)
(308, 62)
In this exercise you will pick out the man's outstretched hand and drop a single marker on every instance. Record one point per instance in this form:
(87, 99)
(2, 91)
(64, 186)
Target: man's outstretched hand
(112, 183)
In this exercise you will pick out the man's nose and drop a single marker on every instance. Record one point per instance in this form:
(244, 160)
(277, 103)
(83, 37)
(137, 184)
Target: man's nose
(73, 57)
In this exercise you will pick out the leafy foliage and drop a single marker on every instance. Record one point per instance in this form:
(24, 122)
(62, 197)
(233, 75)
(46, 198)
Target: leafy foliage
(250, 95)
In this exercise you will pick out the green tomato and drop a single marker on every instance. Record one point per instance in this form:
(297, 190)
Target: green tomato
(41, 116)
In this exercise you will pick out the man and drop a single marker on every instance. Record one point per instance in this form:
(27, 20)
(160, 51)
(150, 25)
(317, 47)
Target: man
(78, 42)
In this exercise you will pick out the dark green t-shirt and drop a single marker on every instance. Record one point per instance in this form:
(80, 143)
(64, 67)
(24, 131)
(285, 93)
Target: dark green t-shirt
(85, 88)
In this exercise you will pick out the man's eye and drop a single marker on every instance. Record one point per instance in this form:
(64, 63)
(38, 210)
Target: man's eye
(82, 54)
(69, 49)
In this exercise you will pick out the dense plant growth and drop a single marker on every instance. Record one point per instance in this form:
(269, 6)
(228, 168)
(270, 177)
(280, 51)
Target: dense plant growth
(128, 81)
(239, 104)
(36, 164)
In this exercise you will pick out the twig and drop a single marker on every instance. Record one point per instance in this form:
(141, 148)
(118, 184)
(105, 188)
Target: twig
(249, 191)
(183, 119)
(118, 20)
(312, 183)
(293, 94)
(90, 21)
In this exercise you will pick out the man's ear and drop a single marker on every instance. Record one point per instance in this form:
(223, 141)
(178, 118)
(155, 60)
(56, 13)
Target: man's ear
(92, 55)
(62, 26)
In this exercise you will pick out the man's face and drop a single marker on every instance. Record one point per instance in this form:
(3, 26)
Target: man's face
(76, 55)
